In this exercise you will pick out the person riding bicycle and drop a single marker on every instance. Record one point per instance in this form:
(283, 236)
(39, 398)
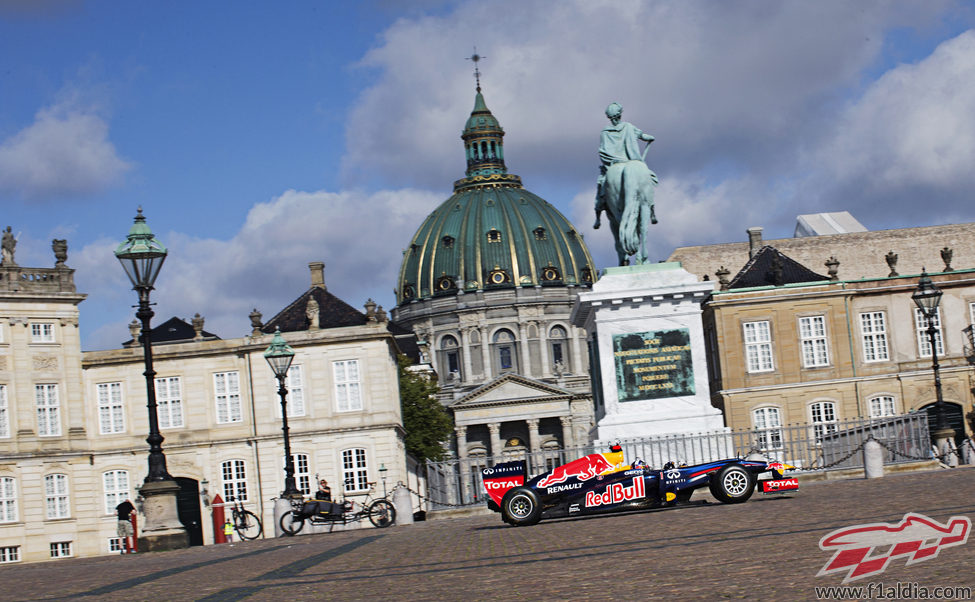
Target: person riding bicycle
(323, 497)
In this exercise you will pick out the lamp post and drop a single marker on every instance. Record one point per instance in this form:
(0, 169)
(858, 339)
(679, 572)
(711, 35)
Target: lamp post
(927, 297)
(141, 255)
(279, 356)
(382, 473)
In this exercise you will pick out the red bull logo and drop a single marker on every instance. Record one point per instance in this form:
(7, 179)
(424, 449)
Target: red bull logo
(583, 469)
(915, 537)
(617, 493)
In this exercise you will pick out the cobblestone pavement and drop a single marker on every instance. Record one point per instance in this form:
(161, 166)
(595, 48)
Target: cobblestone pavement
(766, 549)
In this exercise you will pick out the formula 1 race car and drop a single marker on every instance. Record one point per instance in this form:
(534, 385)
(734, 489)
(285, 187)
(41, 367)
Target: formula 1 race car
(600, 483)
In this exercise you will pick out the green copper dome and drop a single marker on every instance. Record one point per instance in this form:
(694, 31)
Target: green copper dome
(492, 233)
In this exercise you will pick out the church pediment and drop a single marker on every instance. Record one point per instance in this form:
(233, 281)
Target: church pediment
(511, 388)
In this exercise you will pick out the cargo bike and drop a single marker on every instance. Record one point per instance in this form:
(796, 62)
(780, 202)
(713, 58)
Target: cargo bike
(380, 513)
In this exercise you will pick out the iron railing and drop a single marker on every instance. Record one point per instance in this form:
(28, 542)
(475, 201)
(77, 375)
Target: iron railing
(809, 447)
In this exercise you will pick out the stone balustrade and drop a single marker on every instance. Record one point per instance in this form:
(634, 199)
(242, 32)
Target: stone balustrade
(29, 280)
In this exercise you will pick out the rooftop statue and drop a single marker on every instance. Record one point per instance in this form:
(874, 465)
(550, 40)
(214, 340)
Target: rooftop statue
(626, 186)
(7, 247)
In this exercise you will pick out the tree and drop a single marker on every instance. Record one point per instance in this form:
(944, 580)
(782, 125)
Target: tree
(427, 423)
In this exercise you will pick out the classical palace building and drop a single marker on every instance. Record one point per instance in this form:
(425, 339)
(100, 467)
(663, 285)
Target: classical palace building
(487, 283)
(73, 424)
(788, 343)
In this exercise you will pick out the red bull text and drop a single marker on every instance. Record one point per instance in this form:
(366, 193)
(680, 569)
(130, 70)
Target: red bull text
(617, 493)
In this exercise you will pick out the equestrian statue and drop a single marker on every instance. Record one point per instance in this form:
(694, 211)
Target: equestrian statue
(626, 186)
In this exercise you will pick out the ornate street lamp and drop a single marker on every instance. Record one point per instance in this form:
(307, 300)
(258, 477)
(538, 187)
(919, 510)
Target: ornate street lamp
(141, 255)
(382, 473)
(927, 297)
(279, 356)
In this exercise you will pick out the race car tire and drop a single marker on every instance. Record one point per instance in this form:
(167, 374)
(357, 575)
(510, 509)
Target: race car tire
(733, 484)
(521, 507)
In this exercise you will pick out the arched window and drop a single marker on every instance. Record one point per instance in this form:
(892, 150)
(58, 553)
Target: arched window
(116, 486)
(823, 417)
(8, 500)
(557, 346)
(768, 424)
(882, 406)
(505, 352)
(449, 356)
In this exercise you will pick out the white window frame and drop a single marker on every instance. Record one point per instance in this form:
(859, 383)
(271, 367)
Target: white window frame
(971, 312)
(233, 475)
(115, 545)
(923, 341)
(56, 496)
(767, 422)
(355, 470)
(9, 554)
(813, 341)
(757, 336)
(8, 500)
(4, 414)
(873, 336)
(226, 393)
(348, 385)
(61, 549)
(111, 408)
(302, 472)
(115, 484)
(882, 406)
(42, 332)
(822, 416)
(296, 391)
(169, 402)
(48, 408)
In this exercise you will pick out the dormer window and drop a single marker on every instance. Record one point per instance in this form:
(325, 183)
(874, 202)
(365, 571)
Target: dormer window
(539, 233)
(448, 242)
(493, 235)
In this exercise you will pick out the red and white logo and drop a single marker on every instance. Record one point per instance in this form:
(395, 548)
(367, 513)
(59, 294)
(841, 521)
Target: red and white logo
(916, 536)
(780, 485)
(617, 493)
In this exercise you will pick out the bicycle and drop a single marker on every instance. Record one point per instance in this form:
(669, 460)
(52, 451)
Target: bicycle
(380, 512)
(246, 523)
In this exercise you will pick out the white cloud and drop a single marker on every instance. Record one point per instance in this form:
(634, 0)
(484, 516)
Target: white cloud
(912, 130)
(64, 152)
(359, 236)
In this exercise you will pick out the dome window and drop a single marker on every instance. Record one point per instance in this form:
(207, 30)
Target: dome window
(539, 233)
(498, 276)
(445, 283)
(586, 274)
(408, 292)
(493, 235)
(448, 242)
(550, 273)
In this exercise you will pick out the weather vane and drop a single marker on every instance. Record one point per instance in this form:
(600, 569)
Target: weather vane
(477, 73)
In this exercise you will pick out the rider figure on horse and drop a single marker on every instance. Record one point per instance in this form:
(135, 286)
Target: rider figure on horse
(619, 143)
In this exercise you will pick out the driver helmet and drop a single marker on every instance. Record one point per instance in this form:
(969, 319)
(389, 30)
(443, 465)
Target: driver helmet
(639, 463)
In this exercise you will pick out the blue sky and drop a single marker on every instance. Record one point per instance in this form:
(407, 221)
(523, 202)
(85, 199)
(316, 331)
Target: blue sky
(261, 137)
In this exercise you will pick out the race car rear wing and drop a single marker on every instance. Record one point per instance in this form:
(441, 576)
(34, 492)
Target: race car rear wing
(501, 477)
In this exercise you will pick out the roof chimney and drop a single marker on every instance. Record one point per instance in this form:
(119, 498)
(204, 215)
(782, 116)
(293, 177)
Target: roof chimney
(317, 274)
(754, 240)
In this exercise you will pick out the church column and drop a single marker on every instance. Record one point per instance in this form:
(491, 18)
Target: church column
(486, 354)
(533, 444)
(543, 350)
(526, 364)
(495, 428)
(461, 432)
(465, 341)
(568, 441)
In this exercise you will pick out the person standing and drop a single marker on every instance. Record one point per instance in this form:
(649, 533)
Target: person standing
(124, 528)
(228, 531)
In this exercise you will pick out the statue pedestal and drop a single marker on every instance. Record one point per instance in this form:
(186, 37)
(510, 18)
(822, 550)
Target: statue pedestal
(162, 529)
(647, 357)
